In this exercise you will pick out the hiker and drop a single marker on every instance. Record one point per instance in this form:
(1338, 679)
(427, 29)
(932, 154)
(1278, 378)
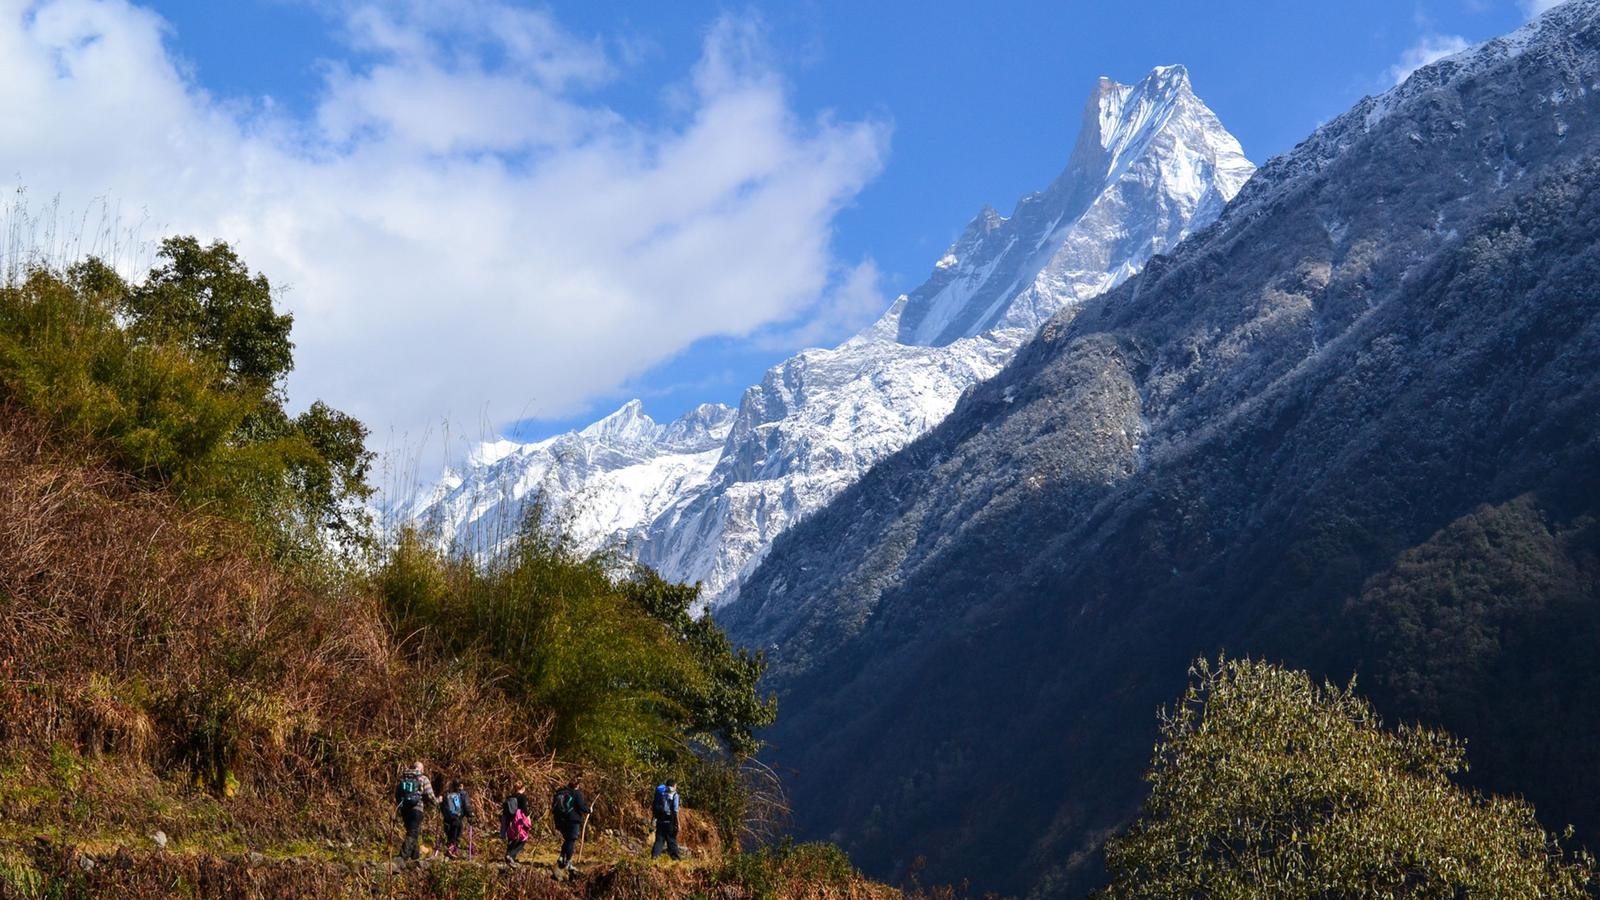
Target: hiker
(568, 808)
(515, 823)
(456, 807)
(413, 794)
(665, 809)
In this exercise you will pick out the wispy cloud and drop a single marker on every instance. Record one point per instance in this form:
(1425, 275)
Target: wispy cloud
(855, 300)
(1429, 48)
(459, 225)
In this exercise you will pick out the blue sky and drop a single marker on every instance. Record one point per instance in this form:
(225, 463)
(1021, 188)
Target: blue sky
(424, 261)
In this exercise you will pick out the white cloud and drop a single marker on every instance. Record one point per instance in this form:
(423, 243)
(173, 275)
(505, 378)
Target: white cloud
(1429, 48)
(456, 226)
(1532, 8)
(856, 300)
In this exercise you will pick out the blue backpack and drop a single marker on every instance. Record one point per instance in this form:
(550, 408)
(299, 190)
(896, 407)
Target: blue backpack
(453, 804)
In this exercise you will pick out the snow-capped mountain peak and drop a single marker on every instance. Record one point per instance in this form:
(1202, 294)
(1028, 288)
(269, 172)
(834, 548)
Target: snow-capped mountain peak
(628, 425)
(703, 498)
(1150, 141)
(1126, 115)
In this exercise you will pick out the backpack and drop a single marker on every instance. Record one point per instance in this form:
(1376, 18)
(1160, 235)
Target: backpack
(508, 814)
(453, 803)
(660, 807)
(563, 806)
(410, 789)
(520, 827)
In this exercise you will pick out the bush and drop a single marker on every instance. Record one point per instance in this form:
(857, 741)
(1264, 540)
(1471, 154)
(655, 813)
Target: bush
(1265, 784)
(631, 680)
(776, 871)
(566, 639)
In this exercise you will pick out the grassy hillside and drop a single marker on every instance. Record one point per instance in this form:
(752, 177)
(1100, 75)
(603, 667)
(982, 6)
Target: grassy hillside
(201, 636)
(141, 638)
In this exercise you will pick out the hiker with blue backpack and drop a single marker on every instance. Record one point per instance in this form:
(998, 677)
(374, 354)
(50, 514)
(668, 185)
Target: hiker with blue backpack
(456, 808)
(665, 810)
(413, 794)
(568, 808)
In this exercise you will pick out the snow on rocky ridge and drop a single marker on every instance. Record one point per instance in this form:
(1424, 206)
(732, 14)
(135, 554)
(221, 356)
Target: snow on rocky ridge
(702, 498)
(605, 479)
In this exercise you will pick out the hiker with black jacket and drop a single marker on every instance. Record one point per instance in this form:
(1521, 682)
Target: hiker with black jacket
(568, 807)
(413, 794)
(456, 807)
(665, 810)
(516, 823)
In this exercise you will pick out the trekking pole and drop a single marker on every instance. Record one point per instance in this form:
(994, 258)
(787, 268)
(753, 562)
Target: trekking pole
(583, 830)
(469, 842)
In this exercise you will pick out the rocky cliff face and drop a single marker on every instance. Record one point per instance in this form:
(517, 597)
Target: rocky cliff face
(1352, 426)
(1152, 163)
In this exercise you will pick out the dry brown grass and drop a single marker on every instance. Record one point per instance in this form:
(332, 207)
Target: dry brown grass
(135, 634)
(157, 671)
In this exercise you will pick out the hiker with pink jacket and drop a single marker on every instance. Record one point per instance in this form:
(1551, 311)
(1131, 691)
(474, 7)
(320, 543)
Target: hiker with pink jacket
(516, 823)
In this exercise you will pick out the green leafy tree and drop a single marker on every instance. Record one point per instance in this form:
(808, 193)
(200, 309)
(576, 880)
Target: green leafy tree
(725, 707)
(63, 354)
(180, 378)
(722, 708)
(1266, 785)
(332, 481)
(312, 471)
(206, 299)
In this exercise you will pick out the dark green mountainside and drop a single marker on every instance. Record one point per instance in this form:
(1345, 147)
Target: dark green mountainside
(1353, 426)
